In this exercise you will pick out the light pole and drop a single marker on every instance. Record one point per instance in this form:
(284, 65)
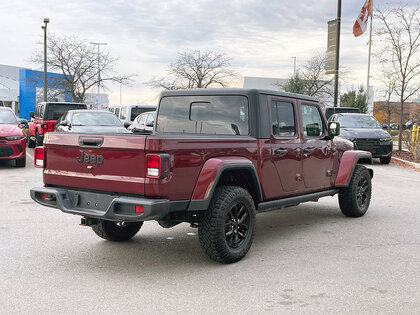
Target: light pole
(294, 67)
(44, 27)
(99, 68)
(337, 53)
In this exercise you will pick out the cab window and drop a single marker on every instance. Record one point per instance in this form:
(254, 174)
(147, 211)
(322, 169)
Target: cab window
(311, 121)
(117, 112)
(282, 119)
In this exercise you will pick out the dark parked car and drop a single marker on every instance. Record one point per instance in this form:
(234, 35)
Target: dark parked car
(366, 134)
(90, 121)
(143, 123)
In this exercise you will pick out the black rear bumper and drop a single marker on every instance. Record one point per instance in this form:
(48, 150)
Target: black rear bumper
(102, 205)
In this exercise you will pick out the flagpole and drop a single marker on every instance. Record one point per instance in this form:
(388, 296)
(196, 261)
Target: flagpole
(370, 48)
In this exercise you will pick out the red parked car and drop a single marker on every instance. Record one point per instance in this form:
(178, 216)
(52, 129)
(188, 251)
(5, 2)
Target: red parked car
(12, 137)
(45, 119)
(215, 158)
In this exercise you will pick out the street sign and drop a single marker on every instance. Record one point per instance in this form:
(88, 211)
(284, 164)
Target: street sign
(331, 47)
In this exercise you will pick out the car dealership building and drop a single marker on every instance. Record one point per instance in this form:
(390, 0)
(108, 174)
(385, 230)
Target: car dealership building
(22, 88)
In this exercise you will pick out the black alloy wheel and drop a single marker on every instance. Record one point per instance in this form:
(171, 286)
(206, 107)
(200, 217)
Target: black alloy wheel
(237, 225)
(354, 199)
(362, 192)
(226, 229)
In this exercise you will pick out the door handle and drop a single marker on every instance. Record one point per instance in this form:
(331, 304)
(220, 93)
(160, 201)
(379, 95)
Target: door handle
(281, 152)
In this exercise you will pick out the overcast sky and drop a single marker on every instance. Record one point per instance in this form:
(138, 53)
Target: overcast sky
(260, 36)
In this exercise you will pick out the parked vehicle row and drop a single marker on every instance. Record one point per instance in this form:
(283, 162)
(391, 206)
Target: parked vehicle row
(45, 118)
(128, 113)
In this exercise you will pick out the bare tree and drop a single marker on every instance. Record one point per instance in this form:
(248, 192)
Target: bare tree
(387, 107)
(196, 69)
(312, 77)
(400, 33)
(80, 65)
(317, 83)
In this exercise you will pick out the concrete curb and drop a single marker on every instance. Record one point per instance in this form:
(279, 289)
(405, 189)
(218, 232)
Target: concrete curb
(407, 164)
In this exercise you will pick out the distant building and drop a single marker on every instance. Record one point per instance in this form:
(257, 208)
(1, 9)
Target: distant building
(411, 111)
(21, 89)
(97, 101)
(9, 87)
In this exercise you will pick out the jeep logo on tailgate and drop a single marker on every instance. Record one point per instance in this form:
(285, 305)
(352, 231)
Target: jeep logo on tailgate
(90, 158)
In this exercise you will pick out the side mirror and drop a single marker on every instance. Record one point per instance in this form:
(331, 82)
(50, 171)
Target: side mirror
(127, 124)
(31, 115)
(63, 123)
(150, 124)
(333, 129)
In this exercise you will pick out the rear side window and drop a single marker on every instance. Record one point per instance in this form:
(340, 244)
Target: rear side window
(123, 114)
(41, 111)
(283, 119)
(311, 121)
(117, 112)
(135, 111)
(55, 111)
(222, 115)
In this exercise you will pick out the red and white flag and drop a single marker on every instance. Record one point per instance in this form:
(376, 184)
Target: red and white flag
(360, 25)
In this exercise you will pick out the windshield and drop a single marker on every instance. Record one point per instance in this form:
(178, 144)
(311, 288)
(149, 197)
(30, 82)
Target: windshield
(135, 111)
(55, 111)
(95, 119)
(358, 121)
(7, 117)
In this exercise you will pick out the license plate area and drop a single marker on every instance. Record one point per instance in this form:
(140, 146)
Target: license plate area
(90, 201)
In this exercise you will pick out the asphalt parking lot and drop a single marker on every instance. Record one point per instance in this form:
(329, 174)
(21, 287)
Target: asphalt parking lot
(304, 259)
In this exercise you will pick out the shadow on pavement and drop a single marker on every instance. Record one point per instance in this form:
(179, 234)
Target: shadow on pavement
(169, 251)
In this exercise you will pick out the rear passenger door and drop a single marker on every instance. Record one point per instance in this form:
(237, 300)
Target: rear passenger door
(286, 145)
(317, 156)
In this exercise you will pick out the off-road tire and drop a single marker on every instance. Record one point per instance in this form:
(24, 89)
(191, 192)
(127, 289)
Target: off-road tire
(214, 226)
(354, 200)
(31, 143)
(111, 231)
(385, 160)
(38, 141)
(21, 162)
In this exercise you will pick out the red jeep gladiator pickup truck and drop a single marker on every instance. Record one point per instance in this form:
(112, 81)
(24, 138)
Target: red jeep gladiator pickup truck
(215, 158)
(45, 118)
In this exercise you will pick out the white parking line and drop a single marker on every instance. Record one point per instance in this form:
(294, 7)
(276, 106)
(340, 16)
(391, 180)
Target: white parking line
(29, 155)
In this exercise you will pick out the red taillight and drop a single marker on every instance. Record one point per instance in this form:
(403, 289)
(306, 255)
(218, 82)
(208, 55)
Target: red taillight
(39, 157)
(43, 196)
(139, 209)
(157, 165)
(153, 162)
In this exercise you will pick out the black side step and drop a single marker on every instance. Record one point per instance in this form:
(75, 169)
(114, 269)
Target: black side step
(290, 201)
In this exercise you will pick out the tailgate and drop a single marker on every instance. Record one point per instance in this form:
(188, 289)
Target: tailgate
(112, 163)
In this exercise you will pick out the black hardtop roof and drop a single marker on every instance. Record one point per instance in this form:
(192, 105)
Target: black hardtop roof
(63, 103)
(352, 114)
(234, 91)
(89, 111)
(134, 105)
